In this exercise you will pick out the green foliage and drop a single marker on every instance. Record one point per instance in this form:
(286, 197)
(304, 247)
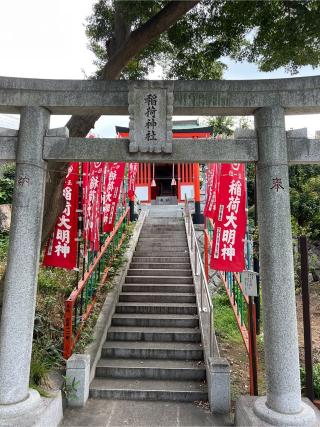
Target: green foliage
(69, 388)
(221, 125)
(304, 197)
(53, 280)
(7, 184)
(224, 321)
(4, 246)
(251, 173)
(54, 285)
(273, 34)
(316, 380)
(39, 368)
(305, 200)
(245, 123)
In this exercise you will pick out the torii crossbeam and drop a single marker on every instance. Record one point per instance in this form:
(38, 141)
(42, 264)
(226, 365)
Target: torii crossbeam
(269, 146)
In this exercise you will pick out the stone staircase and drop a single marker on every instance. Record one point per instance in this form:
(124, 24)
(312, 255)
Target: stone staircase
(153, 349)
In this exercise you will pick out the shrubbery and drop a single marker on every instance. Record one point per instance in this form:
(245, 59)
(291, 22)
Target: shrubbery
(7, 183)
(316, 380)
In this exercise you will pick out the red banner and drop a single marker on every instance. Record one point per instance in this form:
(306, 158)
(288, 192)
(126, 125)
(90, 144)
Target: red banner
(212, 177)
(133, 169)
(111, 194)
(92, 183)
(230, 220)
(85, 189)
(61, 250)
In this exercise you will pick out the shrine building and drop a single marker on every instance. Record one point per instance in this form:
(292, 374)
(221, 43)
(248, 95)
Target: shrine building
(167, 183)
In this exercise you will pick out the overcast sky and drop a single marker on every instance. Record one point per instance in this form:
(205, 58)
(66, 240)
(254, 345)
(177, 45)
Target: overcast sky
(46, 39)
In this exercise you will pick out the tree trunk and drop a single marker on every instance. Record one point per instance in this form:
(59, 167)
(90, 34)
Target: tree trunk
(123, 48)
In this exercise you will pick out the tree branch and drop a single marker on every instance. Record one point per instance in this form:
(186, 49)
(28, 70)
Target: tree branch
(145, 34)
(127, 46)
(132, 46)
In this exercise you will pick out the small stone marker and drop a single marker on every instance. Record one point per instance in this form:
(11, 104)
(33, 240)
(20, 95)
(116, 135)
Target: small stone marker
(249, 280)
(150, 109)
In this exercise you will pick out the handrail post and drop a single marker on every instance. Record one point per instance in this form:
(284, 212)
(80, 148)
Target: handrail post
(191, 241)
(68, 333)
(206, 254)
(199, 270)
(195, 260)
(201, 291)
(211, 334)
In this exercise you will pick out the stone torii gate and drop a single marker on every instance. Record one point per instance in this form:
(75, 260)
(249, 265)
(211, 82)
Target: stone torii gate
(269, 146)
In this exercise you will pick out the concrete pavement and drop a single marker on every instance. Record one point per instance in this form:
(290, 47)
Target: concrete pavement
(114, 413)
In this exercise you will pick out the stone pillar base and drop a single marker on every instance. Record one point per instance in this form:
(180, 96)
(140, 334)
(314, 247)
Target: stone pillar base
(78, 373)
(34, 411)
(218, 377)
(30, 404)
(252, 411)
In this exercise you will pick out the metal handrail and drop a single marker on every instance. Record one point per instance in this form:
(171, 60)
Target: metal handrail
(199, 271)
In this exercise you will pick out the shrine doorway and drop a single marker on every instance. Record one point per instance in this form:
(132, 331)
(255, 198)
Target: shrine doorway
(163, 176)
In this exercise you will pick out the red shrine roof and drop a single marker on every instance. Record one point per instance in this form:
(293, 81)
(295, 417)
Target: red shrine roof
(196, 132)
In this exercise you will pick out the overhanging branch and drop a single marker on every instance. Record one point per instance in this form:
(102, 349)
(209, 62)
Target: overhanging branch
(144, 35)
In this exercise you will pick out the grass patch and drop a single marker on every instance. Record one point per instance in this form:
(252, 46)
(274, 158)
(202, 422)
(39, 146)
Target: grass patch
(232, 346)
(224, 321)
(4, 246)
(316, 380)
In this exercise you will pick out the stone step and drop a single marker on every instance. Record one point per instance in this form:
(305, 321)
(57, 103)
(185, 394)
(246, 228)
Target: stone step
(184, 280)
(157, 369)
(162, 259)
(163, 236)
(165, 247)
(156, 254)
(162, 220)
(156, 308)
(152, 229)
(176, 227)
(161, 248)
(157, 297)
(162, 239)
(156, 320)
(187, 391)
(144, 288)
(162, 266)
(162, 231)
(141, 333)
(156, 248)
(158, 272)
(162, 223)
(153, 350)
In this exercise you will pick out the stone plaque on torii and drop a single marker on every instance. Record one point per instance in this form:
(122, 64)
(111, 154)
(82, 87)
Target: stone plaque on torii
(150, 109)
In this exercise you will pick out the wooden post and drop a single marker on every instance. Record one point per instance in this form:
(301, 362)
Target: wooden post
(197, 217)
(256, 257)
(253, 358)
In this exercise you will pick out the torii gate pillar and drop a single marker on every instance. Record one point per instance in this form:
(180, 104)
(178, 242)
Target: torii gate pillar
(282, 405)
(20, 287)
